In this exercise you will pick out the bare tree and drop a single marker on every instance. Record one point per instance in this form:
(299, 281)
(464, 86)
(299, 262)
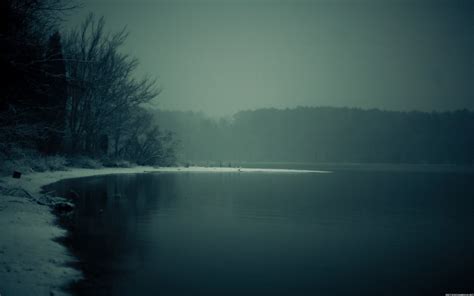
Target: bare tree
(145, 143)
(101, 84)
(26, 61)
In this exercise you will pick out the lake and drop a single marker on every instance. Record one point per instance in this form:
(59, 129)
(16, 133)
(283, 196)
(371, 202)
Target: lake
(350, 232)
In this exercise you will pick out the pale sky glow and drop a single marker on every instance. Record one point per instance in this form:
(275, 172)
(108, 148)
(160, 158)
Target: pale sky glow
(223, 56)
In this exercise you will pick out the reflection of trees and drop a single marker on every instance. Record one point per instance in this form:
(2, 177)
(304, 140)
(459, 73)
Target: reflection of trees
(110, 215)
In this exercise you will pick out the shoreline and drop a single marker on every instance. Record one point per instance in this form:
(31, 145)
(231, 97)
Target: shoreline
(31, 261)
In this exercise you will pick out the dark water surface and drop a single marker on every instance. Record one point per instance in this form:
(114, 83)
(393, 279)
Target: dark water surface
(346, 233)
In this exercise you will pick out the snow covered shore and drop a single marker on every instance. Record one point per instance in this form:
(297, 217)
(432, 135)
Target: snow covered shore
(31, 262)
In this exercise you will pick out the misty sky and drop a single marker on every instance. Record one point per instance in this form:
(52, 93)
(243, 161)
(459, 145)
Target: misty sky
(223, 56)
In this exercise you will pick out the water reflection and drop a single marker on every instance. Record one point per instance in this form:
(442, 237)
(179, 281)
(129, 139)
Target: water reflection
(233, 234)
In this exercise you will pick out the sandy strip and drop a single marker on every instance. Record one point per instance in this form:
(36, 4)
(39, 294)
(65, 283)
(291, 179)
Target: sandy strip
(31, 262)
(237, 170)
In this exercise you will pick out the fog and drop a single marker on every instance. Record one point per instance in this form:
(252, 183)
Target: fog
(220, 57)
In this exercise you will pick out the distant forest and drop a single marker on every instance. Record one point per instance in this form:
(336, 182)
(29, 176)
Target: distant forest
(325, 134)
(72, 92)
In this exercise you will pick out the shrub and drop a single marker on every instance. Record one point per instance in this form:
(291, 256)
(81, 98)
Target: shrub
(27, 161)
(84, 162)
(117, 163)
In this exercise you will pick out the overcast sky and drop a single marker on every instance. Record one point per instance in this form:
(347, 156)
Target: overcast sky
(223, 56)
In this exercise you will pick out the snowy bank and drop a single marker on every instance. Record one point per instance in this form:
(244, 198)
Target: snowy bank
(31, 262)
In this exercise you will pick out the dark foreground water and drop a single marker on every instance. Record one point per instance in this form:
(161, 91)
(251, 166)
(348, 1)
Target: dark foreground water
(346, 233)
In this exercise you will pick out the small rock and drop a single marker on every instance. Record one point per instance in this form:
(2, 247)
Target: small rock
(63, 207)
(40, 203)
(73, 194)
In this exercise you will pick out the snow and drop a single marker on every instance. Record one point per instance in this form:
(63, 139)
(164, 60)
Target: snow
(31, 262)
(236, 170)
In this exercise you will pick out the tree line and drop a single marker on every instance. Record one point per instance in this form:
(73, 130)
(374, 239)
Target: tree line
(73, 92)
(326, 134)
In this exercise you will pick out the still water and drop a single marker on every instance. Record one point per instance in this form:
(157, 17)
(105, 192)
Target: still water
(351, 232)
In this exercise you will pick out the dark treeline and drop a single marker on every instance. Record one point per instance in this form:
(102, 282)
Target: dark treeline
(326, 134)
(73, 92)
